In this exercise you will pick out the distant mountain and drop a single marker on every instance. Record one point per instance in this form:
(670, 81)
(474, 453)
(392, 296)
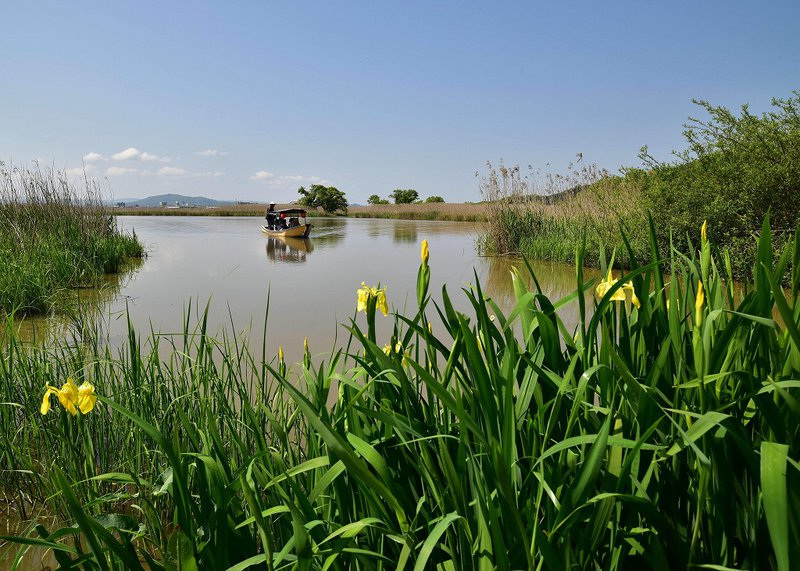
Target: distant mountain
(171, 199)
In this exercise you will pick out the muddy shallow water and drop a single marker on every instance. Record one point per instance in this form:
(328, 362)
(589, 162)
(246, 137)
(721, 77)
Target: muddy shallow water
(227, 263)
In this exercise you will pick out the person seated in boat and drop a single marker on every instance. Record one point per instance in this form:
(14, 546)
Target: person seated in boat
(293, 222)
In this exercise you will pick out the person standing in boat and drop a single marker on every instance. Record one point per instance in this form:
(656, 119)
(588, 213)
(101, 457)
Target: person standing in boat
(271, 216)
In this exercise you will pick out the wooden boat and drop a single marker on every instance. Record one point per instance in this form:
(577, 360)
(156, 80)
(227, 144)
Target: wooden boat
(287, 223)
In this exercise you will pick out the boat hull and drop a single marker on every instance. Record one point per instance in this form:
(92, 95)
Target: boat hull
(301, 231)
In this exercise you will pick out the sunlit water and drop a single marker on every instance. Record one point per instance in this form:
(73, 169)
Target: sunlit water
(311, 284)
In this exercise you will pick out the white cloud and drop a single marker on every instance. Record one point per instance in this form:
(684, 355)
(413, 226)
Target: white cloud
(172, 171)
(150, 158)
(208, 173)
(93, 157)
(127, 154)
(118, 171)
(286, 181)
(79, 171)
(262, 175)
(211, 153)
(294, 178)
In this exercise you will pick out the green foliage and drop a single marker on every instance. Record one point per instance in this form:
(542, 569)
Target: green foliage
(401, 196)
(52, 238)
(375, 199)
(659, 437)
(736, 169)
(434, 199)
(329, 198)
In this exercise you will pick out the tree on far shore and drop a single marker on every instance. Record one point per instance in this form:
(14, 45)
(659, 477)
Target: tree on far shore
(375, 199)
(404, 196)
(329, 198)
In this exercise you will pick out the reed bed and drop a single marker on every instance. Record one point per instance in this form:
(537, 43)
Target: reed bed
(663, 432)
(467, 212)
(54, 236)
(546, 217)
(224, 210)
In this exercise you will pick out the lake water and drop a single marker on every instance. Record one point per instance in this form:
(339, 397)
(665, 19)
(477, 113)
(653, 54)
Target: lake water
(311, 284)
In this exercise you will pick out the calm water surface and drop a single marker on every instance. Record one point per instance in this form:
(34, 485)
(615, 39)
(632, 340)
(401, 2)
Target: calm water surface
(311, 284)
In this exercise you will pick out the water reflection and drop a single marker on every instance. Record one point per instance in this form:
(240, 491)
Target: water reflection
(404, 233)
(289, 250)
(78, 315)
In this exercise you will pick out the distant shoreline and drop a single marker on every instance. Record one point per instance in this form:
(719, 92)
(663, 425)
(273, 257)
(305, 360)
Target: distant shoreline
(427, 211)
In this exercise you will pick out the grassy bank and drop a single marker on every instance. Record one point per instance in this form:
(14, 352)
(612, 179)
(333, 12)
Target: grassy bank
(425, 211)
(227, 210)
(662, 433)
(53, 236)
(735, 169)
(433, 211)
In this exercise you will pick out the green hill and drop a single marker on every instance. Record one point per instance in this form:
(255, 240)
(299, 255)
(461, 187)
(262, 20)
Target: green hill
(171, 199)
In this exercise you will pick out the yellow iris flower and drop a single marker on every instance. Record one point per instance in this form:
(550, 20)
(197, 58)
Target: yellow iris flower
(703, 229)
(424, 254)
(363, 296)
(388, 348)
(71, 396)
(381, 304)
(698, 303)
(365, 292)
(398, 348)
(607, 284)
(628, 286)
(604, 286)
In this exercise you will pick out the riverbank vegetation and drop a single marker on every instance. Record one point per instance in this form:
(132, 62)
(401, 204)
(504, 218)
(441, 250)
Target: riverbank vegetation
(329, 199)
(402, 196)
(455, 212)
(735, 169)
(662, 432)
(54, 236)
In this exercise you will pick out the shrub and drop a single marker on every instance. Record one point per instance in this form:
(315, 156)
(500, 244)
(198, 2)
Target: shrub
(736, 169)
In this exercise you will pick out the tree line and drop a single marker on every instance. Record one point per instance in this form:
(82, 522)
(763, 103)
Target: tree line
(331, 199)
(403, 196)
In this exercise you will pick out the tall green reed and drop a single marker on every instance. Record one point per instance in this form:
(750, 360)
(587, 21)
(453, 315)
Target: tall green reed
(545, 216)
(54, 235)
(661, 434)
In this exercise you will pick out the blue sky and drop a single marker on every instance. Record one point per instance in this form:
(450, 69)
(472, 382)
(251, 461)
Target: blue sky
(250, 100)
